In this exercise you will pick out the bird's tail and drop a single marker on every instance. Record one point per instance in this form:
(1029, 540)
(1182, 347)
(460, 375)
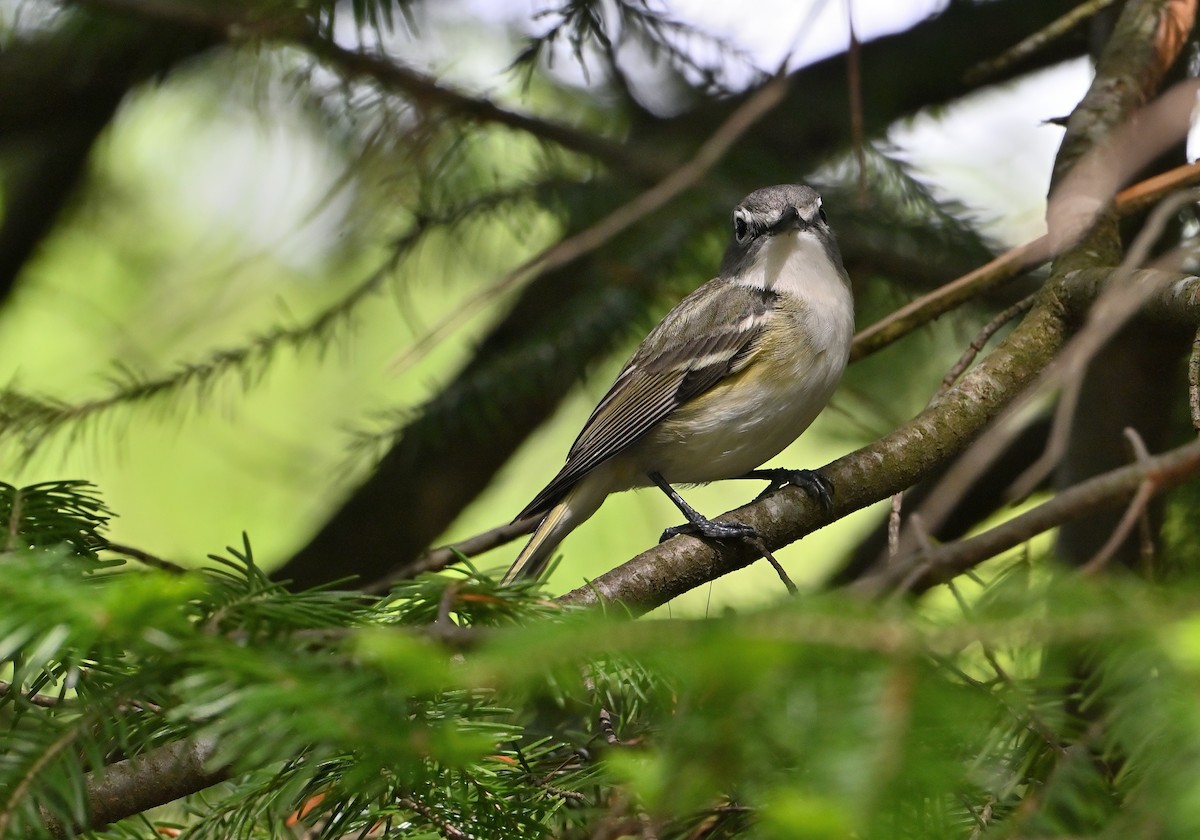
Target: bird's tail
(580, 503)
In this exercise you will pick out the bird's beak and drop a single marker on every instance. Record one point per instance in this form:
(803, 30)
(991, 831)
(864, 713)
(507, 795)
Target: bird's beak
(790, 220)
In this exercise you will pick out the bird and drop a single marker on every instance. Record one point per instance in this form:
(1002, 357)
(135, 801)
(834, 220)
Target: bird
(728, 378)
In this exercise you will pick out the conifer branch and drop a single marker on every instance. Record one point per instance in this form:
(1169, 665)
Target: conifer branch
(895, 461)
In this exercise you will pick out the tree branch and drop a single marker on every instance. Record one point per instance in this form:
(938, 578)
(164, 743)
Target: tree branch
(146, 781)
(429, 476)
(235, 25)
(930, 306)
(923, 570)
(1081, 220)
(892, 463)
(60, 91)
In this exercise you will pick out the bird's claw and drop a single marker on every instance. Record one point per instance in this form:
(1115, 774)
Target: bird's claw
(810, 481)
(711, 530)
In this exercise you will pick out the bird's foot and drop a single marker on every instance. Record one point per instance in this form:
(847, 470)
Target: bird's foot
(811, 481)
(702, 527)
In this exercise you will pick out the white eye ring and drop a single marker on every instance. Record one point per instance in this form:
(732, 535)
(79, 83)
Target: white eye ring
(743, 228)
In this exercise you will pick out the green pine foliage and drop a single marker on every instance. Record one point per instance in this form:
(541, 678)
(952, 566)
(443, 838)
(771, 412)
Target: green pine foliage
(1036, 706)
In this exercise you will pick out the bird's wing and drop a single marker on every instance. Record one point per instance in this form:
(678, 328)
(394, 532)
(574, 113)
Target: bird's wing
(709, 335)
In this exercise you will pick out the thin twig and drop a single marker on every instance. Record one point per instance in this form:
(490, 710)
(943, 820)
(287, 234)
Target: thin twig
(1119, 302)
(952, 376)
(146, 558)
(1141, 453)
(444, 827)
(927, 566)
(46, 701)
(979, 342)
(437, 559)
(1130, 518)
(758, 543)
(1008, 265)
(1028, 46)
(1134, 513)
(589, 239)
(854, 85)
(916, 570)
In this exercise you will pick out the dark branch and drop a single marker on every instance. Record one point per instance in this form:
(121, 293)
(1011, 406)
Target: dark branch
(60, 91)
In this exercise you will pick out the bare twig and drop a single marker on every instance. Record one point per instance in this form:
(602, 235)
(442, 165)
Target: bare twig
(591, 238)
(927, 567)
(770, 558)
(1008, 265)
(46, 701)
(979, 342)
(146, 558)
(986, 69)
(952, 376)
(437, 559)
(1134, 513)
(924, 549)
(1120, 301)
(444, 827)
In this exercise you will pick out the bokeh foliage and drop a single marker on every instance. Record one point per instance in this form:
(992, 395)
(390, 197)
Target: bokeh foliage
(245, 362)
(451, 708)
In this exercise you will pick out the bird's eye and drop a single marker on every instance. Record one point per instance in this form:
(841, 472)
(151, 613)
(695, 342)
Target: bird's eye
(741, 227)
(821, 213)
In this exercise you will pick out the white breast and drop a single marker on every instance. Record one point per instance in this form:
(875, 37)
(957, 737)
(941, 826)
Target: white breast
(737, 428)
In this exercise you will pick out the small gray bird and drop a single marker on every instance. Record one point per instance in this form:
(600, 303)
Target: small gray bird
(727, 379)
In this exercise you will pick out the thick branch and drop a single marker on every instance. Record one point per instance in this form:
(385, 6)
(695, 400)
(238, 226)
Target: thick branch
(430, 476)
(59, 92)
(146, 781)
(890, 464)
